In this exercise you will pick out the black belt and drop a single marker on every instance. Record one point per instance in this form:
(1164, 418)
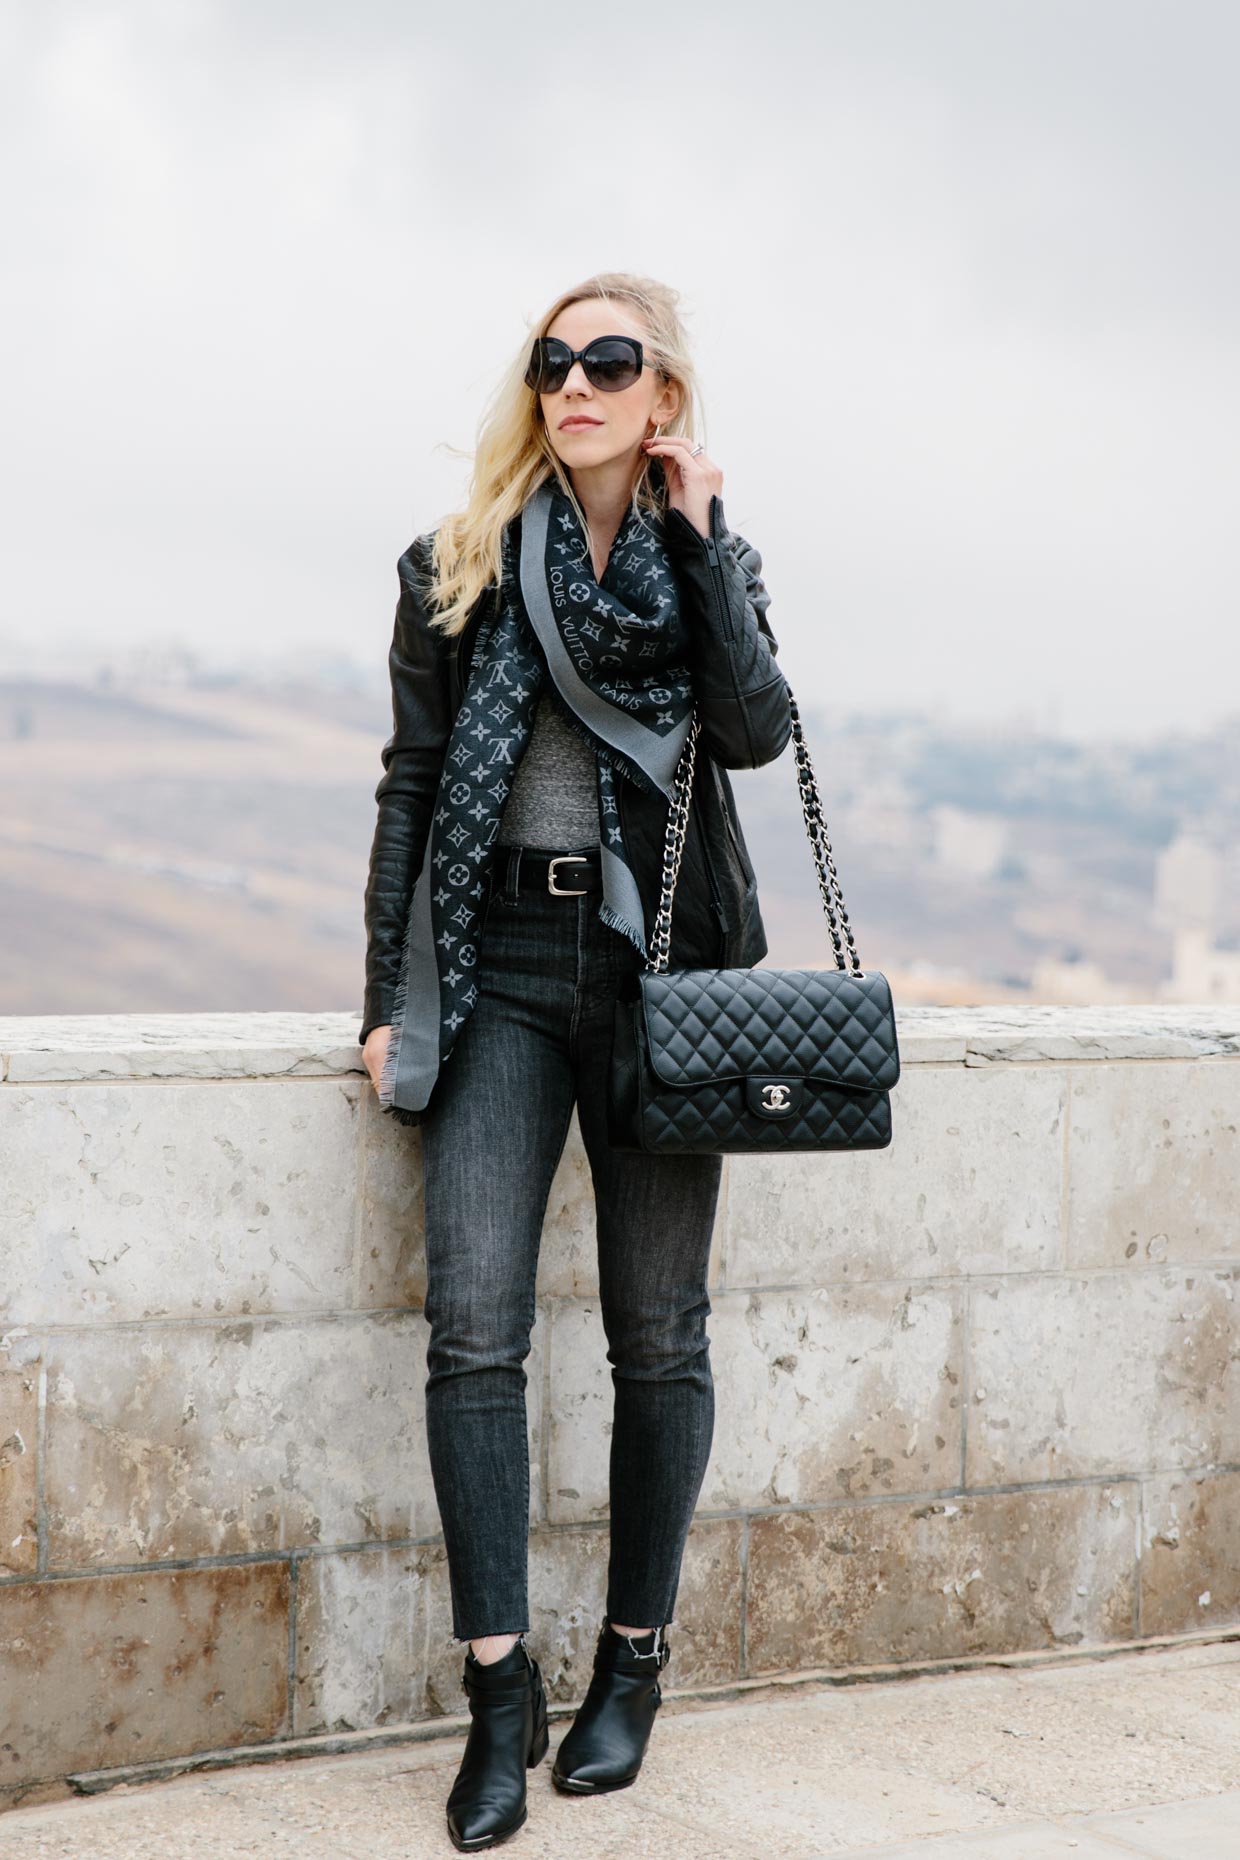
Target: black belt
(562, 874)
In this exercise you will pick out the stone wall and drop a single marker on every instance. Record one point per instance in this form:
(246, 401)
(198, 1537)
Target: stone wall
(975, 1393)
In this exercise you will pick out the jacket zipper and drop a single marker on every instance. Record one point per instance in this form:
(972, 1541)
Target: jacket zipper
(716, 902)
(729, 829)
(721, 602)
(717, 582)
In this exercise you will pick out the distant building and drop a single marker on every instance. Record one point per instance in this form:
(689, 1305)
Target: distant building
(1200, 970)
(1187, 880)
(968, 842)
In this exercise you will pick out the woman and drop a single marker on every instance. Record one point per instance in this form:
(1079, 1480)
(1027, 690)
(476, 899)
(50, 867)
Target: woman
(551, 641)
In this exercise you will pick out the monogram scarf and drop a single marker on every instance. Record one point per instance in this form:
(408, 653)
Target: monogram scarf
(616, 650)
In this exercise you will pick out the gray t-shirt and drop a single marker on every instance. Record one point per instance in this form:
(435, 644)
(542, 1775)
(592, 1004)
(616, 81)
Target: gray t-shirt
(553, 800)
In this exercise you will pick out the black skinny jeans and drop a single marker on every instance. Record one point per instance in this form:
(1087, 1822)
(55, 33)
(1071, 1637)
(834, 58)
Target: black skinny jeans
(538, 1037)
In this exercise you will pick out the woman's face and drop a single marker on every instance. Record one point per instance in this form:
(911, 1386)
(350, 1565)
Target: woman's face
(607, 426)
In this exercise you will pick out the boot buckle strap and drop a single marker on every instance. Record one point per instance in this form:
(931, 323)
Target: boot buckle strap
(518, 1687)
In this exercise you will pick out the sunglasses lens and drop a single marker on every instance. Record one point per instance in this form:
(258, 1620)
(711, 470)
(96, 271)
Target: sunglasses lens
(612, 363)
(550, 361)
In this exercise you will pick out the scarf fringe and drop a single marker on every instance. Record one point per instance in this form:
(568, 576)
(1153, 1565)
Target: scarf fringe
(616, 922)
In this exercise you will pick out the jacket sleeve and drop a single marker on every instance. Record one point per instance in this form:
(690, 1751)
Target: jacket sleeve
(412, 762)
(740, 691)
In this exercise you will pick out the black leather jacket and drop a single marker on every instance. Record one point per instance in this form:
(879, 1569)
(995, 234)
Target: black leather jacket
(743, 704)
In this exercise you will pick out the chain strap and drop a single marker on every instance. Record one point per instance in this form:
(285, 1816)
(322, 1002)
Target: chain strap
(815, 826)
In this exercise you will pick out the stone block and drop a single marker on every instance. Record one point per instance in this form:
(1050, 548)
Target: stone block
(1074, 1377)
(159, 1200)
(972, 1182)
(991, 1573)
(391, 1257)
(101, 1671)
(835, 1392)
(19, 1426)
(364, 1638)
(1190, 1570)
(202, 1440)
(1154, 1163)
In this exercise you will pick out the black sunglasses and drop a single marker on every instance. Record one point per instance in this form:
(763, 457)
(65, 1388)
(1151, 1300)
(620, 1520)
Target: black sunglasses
(610, 363)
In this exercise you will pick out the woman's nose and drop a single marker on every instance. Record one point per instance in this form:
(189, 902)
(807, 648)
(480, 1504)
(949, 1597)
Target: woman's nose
(576, 381)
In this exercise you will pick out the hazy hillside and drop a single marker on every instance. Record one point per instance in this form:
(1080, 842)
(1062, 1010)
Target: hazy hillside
(199, 848)
(204, 844)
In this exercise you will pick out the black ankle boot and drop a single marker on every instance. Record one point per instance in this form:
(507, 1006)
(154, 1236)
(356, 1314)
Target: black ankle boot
(507, 1736)
(604, 1746)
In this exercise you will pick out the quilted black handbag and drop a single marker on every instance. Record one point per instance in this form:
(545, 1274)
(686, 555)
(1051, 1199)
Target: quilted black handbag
(753, 1059)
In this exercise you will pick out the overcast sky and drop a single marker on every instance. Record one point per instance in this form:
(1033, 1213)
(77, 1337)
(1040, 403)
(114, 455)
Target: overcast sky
(961, 274)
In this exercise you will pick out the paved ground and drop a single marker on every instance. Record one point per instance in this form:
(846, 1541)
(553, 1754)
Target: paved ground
(1138, 1754)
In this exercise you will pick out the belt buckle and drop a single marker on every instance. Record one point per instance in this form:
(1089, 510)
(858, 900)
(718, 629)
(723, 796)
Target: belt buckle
(560, 891)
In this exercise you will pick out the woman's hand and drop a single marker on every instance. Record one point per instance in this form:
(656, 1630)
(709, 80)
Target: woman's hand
(374, 1052)
(691, 482)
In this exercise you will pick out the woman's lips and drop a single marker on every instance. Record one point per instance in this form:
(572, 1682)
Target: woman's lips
(578, 421)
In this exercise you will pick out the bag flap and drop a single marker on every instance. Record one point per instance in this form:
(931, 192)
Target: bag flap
(826, 1024)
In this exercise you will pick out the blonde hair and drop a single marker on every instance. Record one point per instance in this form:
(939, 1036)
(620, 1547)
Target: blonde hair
(514, 456)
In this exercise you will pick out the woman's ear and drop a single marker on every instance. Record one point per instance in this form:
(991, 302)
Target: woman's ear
(668, 404)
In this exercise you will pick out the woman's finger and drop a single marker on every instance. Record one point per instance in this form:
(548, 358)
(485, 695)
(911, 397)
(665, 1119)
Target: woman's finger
(677, 449)
(678, 446)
